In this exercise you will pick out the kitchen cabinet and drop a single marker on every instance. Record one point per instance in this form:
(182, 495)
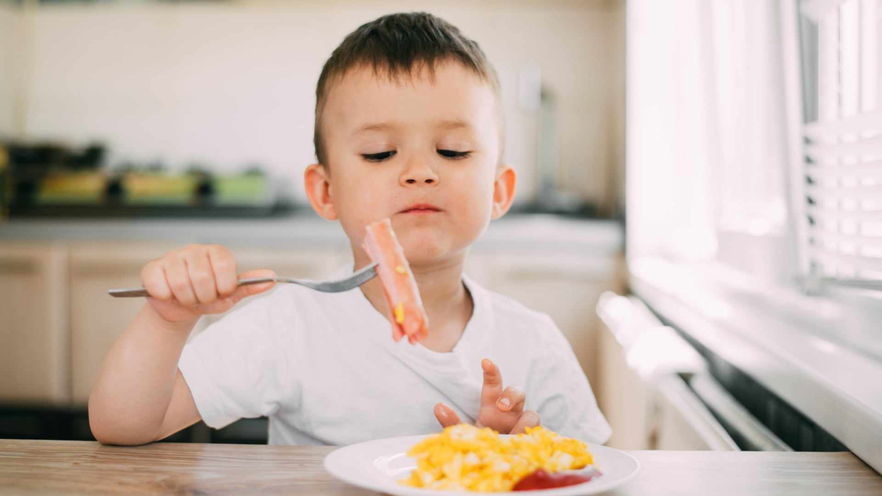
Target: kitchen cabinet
(57, 321)
(622, 396)
(96, 319)
(33, 323)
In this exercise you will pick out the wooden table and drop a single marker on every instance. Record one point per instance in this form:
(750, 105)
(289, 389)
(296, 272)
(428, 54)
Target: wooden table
(80, 467)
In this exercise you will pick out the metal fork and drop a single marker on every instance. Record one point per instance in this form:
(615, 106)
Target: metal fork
(356, 279)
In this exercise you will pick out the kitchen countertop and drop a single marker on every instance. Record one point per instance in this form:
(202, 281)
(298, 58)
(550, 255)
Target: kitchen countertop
(305, 229)
(82, 467)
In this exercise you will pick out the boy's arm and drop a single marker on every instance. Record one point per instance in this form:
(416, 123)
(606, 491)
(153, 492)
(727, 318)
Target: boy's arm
(181, 412)
(140, 396)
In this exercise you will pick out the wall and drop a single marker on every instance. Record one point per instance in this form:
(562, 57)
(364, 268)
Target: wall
(10, 37)
(234, 82)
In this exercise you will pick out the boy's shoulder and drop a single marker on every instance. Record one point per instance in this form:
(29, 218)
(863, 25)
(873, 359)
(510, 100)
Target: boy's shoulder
(510, 313)
(507, 306)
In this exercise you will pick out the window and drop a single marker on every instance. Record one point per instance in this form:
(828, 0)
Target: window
(755, 137)
(842, 133)
(707, 149)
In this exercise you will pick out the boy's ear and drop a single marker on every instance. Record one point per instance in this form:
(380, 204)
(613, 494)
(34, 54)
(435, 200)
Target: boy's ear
(503, 191)
(318, 190)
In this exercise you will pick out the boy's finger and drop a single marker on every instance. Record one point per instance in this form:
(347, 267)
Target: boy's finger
(153, 280)
(201, 277)
(511, 400)
(492, 387)
(178, 278)
(253, 289)
(219, 305)
(527, 419)
(224, 266)
(445, 415)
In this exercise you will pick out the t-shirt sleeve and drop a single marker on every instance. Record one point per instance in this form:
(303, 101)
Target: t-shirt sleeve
(233, 366)
(564, 399)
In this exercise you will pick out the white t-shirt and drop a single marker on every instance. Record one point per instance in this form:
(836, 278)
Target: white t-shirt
(324, 368)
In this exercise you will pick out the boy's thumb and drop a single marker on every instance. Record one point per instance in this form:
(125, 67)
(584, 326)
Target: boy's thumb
(253, 289)
(445, 415)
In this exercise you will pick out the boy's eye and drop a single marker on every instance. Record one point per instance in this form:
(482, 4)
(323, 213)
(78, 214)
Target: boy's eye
(378, 157)
(453, 154)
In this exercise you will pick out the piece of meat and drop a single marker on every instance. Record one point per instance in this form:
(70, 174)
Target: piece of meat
(406, 310)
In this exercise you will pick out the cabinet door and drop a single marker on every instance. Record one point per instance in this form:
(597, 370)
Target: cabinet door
(564, 285)
(33, 323)
(98, 319)
(623, 397)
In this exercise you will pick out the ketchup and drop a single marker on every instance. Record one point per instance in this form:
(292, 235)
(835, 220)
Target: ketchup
(541, 479)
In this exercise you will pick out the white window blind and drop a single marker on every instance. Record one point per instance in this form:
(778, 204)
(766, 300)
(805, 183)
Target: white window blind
(841, 52)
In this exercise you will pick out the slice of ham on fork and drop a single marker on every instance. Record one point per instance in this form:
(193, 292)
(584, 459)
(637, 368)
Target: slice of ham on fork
(406, 310)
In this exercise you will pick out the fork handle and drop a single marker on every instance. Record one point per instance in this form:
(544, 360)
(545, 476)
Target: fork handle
(135, 292)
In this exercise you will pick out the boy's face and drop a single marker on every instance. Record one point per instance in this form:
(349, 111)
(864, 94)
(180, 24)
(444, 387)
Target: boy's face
(423, 152)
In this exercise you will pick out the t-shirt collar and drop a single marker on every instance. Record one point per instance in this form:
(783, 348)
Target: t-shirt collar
(473, 335)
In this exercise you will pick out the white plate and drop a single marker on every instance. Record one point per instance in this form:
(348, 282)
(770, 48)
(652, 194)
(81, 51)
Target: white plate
(379, 464)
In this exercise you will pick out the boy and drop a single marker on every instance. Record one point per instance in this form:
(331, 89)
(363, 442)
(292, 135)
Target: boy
(407, 127)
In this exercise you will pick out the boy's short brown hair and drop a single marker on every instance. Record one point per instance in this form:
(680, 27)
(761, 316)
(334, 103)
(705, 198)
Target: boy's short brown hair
(398, 45)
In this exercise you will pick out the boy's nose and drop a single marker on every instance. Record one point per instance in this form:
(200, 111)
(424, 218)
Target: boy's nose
(419, 175)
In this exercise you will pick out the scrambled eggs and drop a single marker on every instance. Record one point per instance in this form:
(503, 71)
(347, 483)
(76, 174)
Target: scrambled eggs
(464, 457)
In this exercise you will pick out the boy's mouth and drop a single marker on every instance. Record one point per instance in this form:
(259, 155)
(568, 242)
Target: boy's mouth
(421, 208)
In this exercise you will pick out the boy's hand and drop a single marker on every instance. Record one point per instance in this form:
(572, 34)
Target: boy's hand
(197, 280)
(501, 409)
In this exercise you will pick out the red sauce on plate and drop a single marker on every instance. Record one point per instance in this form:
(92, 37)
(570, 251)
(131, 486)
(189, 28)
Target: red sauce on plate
(541, 479)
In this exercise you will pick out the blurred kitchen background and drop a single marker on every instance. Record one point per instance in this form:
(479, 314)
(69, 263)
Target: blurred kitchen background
(149, 99)
(699, 206)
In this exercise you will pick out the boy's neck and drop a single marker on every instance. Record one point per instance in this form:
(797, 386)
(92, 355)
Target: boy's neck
(447, 302)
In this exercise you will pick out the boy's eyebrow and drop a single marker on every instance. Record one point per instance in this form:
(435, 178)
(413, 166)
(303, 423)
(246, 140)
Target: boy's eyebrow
(376, 126)
(454, 124)
(385, 126)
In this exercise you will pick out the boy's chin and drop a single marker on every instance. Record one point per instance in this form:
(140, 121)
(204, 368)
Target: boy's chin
(424, 255)
(425, 250)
